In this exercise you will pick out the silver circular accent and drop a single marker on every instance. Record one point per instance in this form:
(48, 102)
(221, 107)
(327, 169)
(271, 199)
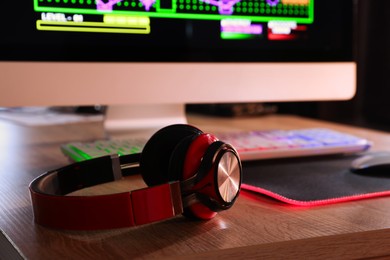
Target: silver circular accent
(229, 176)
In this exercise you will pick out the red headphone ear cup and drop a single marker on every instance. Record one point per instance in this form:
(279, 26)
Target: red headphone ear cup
(192, 163)
(155, 157)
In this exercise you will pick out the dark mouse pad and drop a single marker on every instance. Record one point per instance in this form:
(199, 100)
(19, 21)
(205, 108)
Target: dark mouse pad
(313, 181)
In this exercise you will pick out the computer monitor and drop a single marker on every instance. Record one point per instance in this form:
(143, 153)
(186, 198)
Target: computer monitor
(134, 55)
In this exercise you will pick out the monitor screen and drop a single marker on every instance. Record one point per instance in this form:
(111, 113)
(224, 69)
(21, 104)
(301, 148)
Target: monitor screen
(177, 30)
(80, 52)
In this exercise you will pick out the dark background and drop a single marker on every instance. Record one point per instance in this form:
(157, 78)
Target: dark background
(371, 105)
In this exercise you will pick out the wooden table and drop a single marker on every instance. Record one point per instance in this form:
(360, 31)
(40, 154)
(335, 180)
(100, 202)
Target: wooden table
(256, 226)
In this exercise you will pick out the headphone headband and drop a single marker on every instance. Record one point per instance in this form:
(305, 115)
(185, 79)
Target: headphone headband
(53, 209)
(207, 182)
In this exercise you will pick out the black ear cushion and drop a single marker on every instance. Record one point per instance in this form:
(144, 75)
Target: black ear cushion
(156, 154)
(178, 157)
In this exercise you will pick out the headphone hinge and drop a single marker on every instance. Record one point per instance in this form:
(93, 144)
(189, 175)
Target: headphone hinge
(116, 167)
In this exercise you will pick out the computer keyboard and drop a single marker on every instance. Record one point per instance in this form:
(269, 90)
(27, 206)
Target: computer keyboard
(251, 145)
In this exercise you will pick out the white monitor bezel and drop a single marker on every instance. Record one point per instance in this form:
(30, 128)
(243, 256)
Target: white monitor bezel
(89, 83)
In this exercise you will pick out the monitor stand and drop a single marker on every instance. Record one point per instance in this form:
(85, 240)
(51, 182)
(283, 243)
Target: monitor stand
(141, 120)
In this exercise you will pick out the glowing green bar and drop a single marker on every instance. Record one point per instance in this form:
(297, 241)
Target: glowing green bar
(236, 36)
(98, 27)
(167, 14)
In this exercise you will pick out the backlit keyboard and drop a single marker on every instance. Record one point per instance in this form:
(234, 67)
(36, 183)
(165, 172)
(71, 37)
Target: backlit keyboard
(292, 143)
(251, 145)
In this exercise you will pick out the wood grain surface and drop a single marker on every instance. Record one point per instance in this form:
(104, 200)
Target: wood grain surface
(256, 227)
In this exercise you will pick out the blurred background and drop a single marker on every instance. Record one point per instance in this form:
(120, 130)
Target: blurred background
(371, 105)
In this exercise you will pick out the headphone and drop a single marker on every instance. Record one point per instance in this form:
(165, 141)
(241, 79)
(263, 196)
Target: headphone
(187, 172)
